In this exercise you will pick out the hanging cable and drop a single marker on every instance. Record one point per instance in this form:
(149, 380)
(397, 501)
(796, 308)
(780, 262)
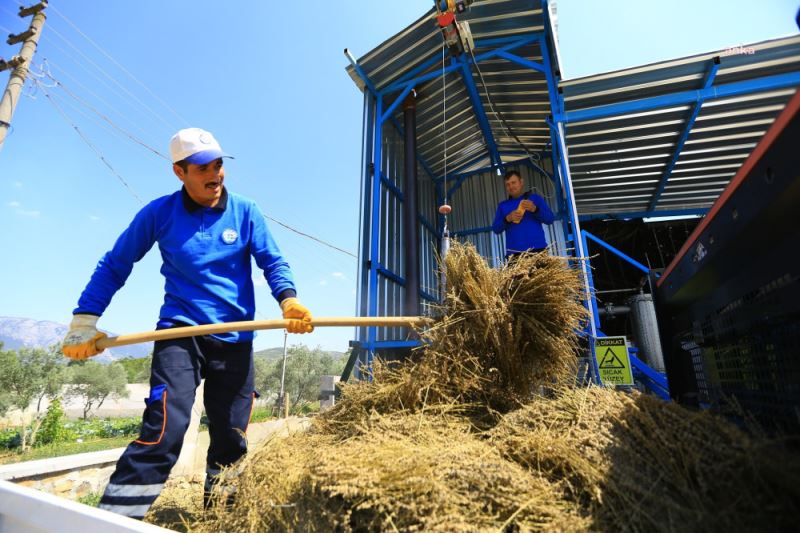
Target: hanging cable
(445, 208)
(118, 64)
(533, 158)
(88, 142)
(64, 73)
(311, 237)
(105, 118)
(51, 29)
(498, 116)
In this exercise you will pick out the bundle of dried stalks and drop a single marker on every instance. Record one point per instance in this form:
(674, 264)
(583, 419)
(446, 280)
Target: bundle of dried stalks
(513, 327)
(406, 473)
(636, 463)
(502, 333)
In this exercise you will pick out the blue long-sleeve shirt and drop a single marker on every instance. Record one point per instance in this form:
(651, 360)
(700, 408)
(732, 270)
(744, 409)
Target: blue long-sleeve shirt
(206, 260)
(529, 232)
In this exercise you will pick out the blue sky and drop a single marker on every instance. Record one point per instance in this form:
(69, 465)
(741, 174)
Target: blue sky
(269, 82)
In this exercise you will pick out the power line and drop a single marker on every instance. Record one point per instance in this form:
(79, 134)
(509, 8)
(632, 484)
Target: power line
(87, 141)
(122, 130)
(311, 237)
(155, 151)
(315, 239)
(108, 120)
(118, 64)
(110, 77)
(77, 82)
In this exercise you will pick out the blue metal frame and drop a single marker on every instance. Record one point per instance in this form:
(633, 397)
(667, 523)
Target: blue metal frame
(662, 184)
(622, 255)
(521, 61)
(655, 381)
(647, 214)
(595, 313)
(473, 231)
(400, 280)
(372, 332)
(571, 210)
(424, 164)
(372, 346)
(480, 112)
(779, 81)
(512, 44)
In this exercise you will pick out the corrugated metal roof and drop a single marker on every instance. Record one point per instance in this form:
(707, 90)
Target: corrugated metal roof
(616, 162)
(519, 94)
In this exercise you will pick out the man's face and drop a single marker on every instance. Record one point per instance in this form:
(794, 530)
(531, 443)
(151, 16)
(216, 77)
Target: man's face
(514, 186)
(203, 182)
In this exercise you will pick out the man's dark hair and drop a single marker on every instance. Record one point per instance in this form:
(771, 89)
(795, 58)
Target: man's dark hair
(510, 174)
(183, 164)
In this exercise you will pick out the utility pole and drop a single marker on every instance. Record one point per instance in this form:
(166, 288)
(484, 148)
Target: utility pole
(20, 64)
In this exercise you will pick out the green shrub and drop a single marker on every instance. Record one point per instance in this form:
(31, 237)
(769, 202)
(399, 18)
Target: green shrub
(10, 438)
(92, 499)
(52, 428)
(103, 428)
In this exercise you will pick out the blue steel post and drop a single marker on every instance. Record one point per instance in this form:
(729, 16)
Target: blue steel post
(557, 130)
(362, 306)
(555, 109)
(372, 332)
(591, 281)
(596, 317)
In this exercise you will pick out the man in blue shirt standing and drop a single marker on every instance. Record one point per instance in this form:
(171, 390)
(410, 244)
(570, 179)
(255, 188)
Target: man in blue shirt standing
(206, 236)
(521, 216)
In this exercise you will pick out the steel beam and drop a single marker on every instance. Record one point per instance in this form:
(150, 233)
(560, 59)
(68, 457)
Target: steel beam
(646, 214)
(512, 44)
(538, 67)
(480, 112)
(778, 81)
(622, 255)
(662, 184)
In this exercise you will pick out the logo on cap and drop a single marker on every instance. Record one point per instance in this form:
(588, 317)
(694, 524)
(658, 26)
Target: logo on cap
(229, 236)
(204, 138)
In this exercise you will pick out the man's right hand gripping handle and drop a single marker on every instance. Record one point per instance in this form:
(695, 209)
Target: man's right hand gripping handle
(81, 339)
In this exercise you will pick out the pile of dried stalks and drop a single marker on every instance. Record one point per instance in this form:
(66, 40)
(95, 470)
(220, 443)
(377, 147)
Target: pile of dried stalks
(636, 463)
(458, 439)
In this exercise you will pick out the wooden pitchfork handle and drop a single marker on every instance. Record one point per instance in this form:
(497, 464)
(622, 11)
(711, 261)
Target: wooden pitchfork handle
(252, 325)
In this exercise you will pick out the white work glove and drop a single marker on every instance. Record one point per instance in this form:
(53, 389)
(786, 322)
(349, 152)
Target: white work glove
(81, 339)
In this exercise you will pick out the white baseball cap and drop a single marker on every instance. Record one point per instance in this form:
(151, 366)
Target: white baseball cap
(196, 146)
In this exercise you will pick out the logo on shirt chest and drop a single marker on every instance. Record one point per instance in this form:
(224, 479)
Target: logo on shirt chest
(229, 236)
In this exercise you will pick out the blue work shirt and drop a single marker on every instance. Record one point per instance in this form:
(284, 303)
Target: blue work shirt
(206, 261)
(529, 232)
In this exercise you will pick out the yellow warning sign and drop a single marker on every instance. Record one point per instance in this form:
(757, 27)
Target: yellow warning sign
(613, 362)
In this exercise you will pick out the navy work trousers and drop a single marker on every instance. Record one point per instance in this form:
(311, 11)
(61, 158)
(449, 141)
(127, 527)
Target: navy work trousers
(178, 367)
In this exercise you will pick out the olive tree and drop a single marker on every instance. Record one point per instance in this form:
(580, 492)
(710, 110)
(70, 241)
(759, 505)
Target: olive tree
(95, 383)
(30, 375)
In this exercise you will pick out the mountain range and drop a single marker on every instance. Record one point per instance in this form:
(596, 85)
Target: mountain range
(16, 332)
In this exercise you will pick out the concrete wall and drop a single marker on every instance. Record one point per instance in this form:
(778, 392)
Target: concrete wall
(71, 477)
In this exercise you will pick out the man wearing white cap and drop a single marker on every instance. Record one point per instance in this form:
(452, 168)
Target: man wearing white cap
(206, 237)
